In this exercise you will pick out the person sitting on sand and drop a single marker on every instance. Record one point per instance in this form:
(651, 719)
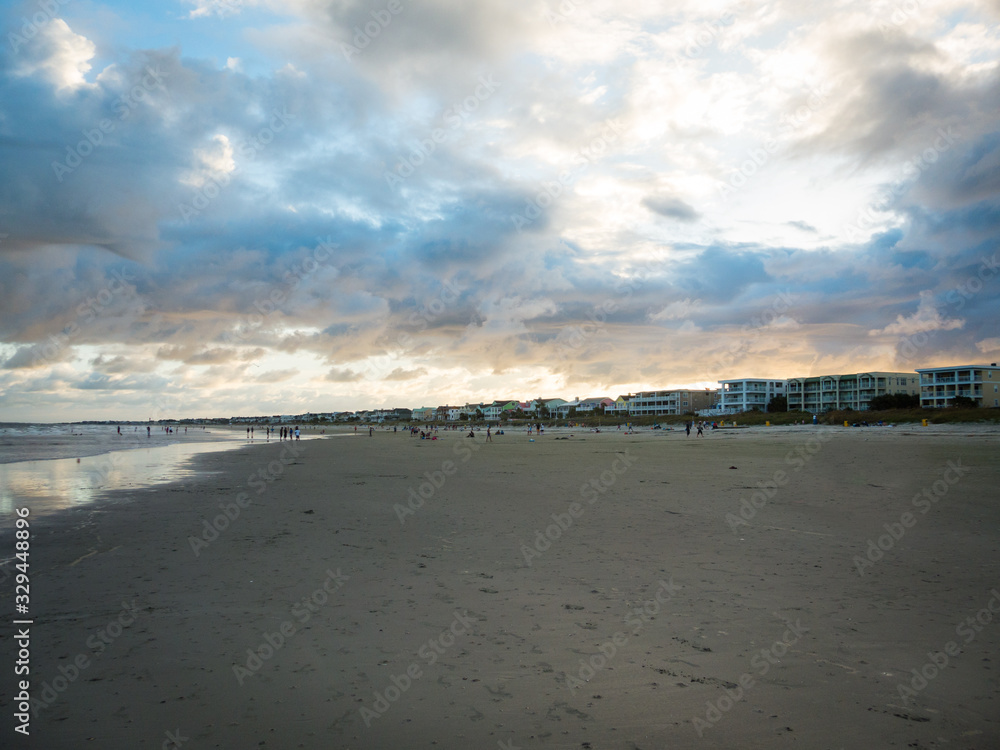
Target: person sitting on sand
(471, 433)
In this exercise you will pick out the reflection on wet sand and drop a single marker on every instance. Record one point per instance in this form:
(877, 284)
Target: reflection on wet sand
(49, 486)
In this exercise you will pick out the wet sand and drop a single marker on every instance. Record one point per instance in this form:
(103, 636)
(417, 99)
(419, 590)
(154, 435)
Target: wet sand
(601, 591)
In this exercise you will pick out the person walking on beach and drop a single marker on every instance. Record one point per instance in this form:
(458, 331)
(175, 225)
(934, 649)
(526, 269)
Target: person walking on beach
(687, 428)
(700, 430)
(489, 435)
(147, 432)
(297, 433)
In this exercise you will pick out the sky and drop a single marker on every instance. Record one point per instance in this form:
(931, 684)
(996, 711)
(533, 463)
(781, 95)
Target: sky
(212, 208)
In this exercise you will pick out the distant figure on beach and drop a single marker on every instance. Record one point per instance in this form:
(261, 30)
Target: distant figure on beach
(119, 429)
(297, 433)
(371, 431)
(471, 433)
(687, 428)
(147, 431)
(489, 435)
(248, 433)
(701, 432)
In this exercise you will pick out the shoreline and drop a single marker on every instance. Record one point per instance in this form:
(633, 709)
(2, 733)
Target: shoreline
(51, 485)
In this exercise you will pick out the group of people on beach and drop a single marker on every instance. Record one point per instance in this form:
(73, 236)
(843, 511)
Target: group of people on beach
(286, 433)
(167, 430)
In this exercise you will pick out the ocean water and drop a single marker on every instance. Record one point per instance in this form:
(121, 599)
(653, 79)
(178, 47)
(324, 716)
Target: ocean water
(48, 468)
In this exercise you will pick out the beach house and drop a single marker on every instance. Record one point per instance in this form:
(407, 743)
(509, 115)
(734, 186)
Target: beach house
(618, 406)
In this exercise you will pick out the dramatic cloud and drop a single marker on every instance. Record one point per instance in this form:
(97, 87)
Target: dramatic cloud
(370, 203)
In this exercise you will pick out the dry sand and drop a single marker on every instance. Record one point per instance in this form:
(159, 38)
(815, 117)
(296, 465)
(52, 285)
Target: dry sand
(471, 647)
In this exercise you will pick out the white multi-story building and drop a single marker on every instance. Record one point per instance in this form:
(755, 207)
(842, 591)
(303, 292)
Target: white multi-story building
(940, 385)
(854, 391)
(748, 394)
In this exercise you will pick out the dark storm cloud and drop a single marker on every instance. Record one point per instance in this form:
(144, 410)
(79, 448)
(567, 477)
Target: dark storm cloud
(670, 207)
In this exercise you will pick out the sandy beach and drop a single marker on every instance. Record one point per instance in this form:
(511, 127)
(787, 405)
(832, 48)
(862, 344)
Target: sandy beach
(759, 588)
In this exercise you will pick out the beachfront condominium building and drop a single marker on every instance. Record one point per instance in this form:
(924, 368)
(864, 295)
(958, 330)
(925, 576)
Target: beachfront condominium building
(748, 394)
(940, 385)
(854, 391)
(655, 403)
